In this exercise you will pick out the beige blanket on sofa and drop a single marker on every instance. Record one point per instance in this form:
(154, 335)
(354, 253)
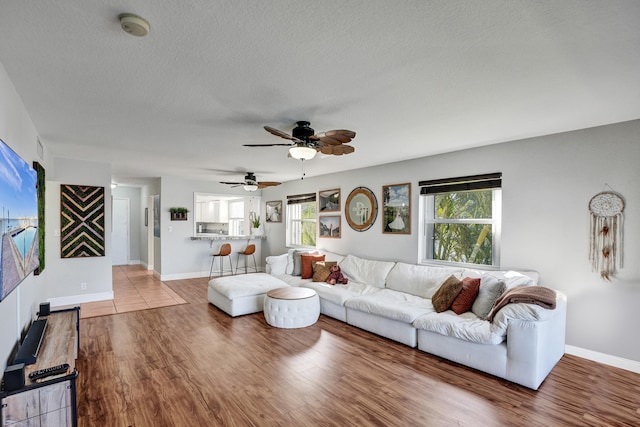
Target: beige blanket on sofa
(538, 295)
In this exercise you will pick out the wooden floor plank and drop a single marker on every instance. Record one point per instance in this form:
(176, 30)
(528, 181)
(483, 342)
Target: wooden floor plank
(192, 364)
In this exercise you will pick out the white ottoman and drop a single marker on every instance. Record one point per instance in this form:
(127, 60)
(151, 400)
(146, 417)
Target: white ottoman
(291, 307)
(242, 294)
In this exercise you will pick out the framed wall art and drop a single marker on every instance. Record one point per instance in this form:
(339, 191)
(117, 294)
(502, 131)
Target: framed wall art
(274, 211)
(81, 221)
(329, 226)
(361, 209)
(396, 209)
(329, 200)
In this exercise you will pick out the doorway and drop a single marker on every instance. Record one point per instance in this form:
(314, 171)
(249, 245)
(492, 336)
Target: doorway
(120, 232)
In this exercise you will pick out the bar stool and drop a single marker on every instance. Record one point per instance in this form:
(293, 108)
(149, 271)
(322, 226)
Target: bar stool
(225, 251)
(249, 250)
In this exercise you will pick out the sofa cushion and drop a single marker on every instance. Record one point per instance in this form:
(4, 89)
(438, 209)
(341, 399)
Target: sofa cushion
(339, 294)
(321, 270)
(465, 327)
(490, 290)
(419, 280)
(366, 271)
(391, 305)
(466, 297)
(511, 278)
(331, 256)
(446, 294)
(246, 284)
(306, 263)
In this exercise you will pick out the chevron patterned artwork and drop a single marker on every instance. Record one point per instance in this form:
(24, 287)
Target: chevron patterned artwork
(81, 221)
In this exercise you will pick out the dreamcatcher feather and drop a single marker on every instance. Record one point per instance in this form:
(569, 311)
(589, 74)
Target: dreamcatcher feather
(605, 228)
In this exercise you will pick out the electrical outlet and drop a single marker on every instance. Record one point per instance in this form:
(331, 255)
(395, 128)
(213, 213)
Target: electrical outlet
(83, 286)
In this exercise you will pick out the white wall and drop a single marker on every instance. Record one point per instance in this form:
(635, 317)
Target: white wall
(19, 133)
(67, 274)
(547, 184)
(153, 187)
(136, 219)
(181, 256)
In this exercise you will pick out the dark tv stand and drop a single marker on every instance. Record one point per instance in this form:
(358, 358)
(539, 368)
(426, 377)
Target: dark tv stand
(50, 401)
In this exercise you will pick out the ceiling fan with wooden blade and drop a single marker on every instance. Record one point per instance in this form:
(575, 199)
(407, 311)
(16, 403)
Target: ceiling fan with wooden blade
(306, 143)
(251, 184)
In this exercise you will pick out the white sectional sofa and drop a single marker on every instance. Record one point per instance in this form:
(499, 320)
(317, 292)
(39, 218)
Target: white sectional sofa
(393, 299)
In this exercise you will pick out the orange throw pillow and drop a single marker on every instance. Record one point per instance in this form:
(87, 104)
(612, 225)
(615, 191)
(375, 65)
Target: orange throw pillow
(307, 266)
(466, 297)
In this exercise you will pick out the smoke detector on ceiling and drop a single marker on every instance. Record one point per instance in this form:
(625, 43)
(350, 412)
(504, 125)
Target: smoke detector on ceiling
(134, 24)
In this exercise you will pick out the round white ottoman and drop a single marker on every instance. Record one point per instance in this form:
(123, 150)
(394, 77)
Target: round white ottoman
(291, 307)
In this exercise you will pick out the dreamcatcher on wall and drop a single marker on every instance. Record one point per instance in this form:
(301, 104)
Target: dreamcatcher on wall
(606, 233)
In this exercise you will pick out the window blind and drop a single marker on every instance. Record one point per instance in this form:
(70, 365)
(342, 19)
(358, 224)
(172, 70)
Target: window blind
(462, 183)
(301, 198)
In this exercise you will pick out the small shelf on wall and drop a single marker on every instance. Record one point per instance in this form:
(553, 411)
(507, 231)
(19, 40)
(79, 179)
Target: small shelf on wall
(178, 214)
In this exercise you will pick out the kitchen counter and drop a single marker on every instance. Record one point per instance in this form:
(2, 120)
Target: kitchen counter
(211, 236)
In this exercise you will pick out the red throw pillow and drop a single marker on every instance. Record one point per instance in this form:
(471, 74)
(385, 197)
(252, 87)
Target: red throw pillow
(307, 266)
(466, 297)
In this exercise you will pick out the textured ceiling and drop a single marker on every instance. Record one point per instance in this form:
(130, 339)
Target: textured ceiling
(412, 78)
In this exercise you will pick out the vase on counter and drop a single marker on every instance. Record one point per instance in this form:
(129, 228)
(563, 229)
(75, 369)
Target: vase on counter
(256, 231)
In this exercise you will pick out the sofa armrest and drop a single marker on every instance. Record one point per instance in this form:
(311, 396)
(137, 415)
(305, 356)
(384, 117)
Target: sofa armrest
(535, 346)
(276, 265)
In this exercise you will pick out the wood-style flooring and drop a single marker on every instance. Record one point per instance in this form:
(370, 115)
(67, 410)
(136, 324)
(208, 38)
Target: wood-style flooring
(134, 288)
(193, 365)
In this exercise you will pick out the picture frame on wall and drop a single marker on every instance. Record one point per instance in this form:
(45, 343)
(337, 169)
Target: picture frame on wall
(329, 226)
(274, 211)
(329, 200)
(396, 209)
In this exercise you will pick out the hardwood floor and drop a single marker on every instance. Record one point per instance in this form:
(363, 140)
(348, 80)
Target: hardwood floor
(193, 365)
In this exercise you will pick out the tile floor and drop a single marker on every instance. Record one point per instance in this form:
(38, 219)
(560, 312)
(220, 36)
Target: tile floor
(134, 288)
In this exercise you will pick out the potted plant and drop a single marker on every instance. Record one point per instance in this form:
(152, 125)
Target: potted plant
(178, 214)
(255, 223)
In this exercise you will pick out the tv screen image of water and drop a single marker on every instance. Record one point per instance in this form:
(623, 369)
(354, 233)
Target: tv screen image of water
(19, 253)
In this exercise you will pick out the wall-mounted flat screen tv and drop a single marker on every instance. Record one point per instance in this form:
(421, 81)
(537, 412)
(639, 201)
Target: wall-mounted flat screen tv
(19, 221)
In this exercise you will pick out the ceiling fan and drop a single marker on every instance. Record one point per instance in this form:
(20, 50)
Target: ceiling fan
(250, 183)
(306, 143)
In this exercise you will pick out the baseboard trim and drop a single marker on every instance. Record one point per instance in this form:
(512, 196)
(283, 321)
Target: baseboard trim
(80, 299)
(607, 359)
(181, 276)
(134, 262)
(198, 274)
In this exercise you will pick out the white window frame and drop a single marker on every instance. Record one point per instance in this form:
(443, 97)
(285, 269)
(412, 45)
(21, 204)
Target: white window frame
(294, 223)
(425, 227)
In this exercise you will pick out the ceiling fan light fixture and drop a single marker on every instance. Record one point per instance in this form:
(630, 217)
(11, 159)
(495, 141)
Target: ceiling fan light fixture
(250, 187)
(302, 153)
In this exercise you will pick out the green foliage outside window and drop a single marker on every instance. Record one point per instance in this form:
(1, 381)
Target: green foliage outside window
(308, 237)
(457, 237)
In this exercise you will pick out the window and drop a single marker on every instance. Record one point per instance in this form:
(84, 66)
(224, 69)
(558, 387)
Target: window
(301, 220)
(460, 220)
(236, 218)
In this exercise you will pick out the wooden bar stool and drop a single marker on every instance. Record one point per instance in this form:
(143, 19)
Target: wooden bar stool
(249, 250)
(225, 251)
